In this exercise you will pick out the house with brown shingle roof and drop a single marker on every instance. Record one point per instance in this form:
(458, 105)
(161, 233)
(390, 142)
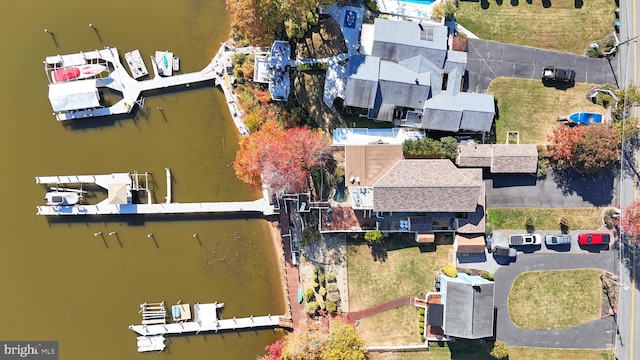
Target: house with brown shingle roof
(500, 158)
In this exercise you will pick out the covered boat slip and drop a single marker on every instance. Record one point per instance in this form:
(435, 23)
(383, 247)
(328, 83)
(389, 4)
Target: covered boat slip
(73, 95)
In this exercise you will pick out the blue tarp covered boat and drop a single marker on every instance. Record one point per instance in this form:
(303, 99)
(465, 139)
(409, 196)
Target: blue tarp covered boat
(585, 118)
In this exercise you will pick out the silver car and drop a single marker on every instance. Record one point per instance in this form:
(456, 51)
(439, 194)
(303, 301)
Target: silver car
(554, 240)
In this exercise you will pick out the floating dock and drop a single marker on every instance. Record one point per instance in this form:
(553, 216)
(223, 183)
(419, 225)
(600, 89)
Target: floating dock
(121, 188)
(164, 63)
(136, 64)
(151, 343)
(81, 94)
(205, 319)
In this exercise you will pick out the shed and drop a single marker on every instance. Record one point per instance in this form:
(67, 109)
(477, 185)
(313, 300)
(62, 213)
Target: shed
(469, 244)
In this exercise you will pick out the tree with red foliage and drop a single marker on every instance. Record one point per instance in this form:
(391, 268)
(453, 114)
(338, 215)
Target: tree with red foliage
(598, 149)
(631, 220)
(274, 351)
(563, 143)
(281, 159)
(589, 148)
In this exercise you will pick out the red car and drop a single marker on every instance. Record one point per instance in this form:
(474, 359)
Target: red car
(593, 239)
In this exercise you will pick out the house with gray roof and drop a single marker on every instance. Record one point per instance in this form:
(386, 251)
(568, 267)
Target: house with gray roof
(500, 158)
(466, 307)
(408, 76)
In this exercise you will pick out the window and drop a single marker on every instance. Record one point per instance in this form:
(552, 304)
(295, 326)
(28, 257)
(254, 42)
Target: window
(445, 79)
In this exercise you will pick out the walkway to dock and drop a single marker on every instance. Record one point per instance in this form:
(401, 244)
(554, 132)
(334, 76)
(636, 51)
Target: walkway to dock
(352, 317)
(292, 277)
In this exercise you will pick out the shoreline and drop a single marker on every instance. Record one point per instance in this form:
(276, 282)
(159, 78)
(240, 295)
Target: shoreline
(276, 241)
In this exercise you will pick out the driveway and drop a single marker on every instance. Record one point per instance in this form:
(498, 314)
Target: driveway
(598, 334)
(560, 189)
(487, 60)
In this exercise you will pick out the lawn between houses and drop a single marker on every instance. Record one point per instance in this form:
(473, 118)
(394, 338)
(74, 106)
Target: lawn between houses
(545, 219)
(563, 25)
(532, 109)
(557, 299)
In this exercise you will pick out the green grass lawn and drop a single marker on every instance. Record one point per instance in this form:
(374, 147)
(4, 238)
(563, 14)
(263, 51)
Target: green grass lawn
(469, 350)
(565, 25)
(532, 109)
(555, 299)
(545, 219)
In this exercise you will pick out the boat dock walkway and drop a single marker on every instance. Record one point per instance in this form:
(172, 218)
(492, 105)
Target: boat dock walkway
(205, 319)
(120, 80)
(119, 199)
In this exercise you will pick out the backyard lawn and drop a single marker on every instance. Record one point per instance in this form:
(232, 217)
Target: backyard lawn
(563, 25)
(545, 219)
(556, 299)
(403, 271)
(532, 109)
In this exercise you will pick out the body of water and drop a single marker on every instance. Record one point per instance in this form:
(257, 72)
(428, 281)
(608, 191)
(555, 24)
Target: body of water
(59, 281)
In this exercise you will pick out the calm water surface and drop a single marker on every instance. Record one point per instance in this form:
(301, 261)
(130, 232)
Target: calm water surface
(59, 281)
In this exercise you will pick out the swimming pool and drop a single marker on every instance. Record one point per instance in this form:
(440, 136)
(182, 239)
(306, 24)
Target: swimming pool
(420, 2)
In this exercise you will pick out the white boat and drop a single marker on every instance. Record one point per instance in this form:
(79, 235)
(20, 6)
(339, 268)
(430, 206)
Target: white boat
(151, 343)
(62, 198)
(76, 72)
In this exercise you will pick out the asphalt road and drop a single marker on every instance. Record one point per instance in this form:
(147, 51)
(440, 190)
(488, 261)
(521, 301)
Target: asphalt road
(558, 190)
(598, 334)
(487, 60)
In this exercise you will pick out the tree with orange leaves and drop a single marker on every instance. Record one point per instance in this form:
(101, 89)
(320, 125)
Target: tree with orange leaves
(588, 148)
(281, 159)
(563, 143)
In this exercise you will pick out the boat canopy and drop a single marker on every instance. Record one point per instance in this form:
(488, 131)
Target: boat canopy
(74, 95)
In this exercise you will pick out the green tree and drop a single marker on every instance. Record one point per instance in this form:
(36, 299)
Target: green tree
(311, 307)
(449, 148)
(627, 98)
(373, 236)
(345, 343)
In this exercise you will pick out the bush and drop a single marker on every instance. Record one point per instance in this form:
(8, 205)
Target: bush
(421, 324)
(333, 296)
(610, 219)
(421, 331)
(330, 277)
(529, 224)
(421, 317)
(316, 285)
(421, 310)
(444, 9)
(449, 148)
(311, 307)
(373, 236)
(322, 291)
(486, 275)
(309, 295)
(315, 271)
(331, 306)
(450, 271)
(499, 350)
(321, 279)
(315, 277)
(332, 287)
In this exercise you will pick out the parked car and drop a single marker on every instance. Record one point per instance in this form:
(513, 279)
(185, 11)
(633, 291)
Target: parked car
(550, 73)
(553, 240)
(505, 251)
(594, 239)
(525, 239)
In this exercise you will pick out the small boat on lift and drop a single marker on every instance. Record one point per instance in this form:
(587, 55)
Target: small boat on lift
(76, 72)
(63, 198)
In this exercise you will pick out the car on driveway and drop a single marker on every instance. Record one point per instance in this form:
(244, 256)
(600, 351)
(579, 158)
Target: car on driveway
(555, 240)
(505, 251)
(594, 239)
(551, 73)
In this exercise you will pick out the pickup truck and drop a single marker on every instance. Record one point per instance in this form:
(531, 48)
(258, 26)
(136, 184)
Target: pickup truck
(525, 239)
(550, 73)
